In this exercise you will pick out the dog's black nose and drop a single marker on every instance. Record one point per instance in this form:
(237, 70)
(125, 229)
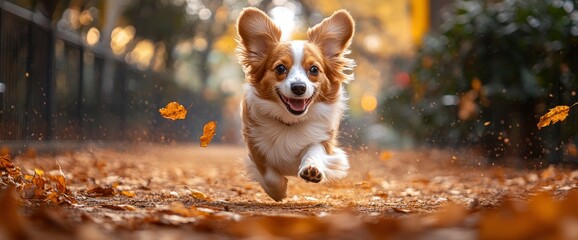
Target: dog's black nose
(298, 88)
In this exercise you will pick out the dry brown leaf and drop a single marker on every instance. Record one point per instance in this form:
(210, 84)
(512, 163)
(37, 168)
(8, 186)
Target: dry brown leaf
(30, 191)
(38, 181)
(128, 193)
(401, 210)
(179, 208)
(60, 198)
(99, 191)
(173, 111)
(556, 114)
(199, 195)
(209, 131)
(121, 207)
(60, 183)
(7, 165)
(53, 197)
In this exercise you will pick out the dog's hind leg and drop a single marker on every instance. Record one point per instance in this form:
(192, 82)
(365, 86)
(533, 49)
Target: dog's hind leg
(274, 184)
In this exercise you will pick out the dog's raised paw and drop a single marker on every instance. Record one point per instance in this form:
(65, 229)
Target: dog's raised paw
(311, 174)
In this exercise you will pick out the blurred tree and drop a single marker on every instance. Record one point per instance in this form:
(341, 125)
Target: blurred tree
(174, 22)
(507, 62)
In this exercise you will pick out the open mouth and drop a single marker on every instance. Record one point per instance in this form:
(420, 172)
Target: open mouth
(296, 106)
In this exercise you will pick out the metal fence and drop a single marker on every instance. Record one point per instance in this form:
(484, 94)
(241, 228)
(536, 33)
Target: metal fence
(54, 87)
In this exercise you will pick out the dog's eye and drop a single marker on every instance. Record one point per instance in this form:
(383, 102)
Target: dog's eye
(280, 69)
(314, 70)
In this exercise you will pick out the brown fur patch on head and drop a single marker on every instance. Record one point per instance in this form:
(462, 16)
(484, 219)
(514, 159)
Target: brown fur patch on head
(267, 79)
(328, 91)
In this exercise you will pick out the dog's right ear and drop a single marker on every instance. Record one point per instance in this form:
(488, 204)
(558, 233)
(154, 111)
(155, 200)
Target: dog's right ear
(258, 35)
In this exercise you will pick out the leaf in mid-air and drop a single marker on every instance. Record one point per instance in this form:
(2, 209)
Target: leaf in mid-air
(173, 111)
(208, 132)
(556, 114)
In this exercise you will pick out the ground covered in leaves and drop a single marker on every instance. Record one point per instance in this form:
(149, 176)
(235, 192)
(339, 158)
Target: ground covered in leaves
(154, 191)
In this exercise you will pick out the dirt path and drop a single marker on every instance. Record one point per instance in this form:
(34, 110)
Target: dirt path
(184, 191)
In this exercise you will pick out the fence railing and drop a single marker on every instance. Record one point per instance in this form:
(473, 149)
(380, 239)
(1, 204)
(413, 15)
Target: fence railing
(55, 87)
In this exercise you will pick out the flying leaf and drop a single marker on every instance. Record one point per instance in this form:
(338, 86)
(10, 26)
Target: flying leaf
(173, 111)
(208, 132)
(559, 113)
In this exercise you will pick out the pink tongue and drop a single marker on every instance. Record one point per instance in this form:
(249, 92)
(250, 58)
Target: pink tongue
(297, 104)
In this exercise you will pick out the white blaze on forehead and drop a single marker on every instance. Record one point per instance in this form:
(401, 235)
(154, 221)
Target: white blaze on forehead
(297, 73)
(297, 49)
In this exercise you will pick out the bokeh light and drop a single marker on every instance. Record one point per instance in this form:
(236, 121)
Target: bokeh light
(368, 102)
(92, 36)
(120, 38)
(142, 54)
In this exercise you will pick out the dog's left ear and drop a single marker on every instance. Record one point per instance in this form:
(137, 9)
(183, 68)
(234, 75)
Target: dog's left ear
(333, 35)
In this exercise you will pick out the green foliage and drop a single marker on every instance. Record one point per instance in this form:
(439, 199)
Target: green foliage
(507, 61)
(512, 46)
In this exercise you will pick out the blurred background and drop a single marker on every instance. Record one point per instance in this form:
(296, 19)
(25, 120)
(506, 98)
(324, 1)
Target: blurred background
(462, 75)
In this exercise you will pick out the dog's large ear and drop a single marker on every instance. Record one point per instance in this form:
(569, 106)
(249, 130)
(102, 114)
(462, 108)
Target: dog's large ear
(258, 35)
(333, 35)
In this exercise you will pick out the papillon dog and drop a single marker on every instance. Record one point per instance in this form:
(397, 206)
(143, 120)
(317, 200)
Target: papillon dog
(294, 99)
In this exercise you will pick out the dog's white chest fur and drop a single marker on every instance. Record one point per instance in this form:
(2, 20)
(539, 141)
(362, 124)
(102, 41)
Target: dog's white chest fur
(282, 142)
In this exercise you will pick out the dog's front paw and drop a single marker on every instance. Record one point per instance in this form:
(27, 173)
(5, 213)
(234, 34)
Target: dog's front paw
(311, 174)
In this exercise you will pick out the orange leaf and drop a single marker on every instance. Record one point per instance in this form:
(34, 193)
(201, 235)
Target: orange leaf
(385, 155)
(199, 195)
(209, 131)
(60, 183)
(100, 191)
(559, 113)
(53, 197)
(38, 172)
(6, 164)
(122, 207)
(128, 193)
(38, 182)
(173, 111)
